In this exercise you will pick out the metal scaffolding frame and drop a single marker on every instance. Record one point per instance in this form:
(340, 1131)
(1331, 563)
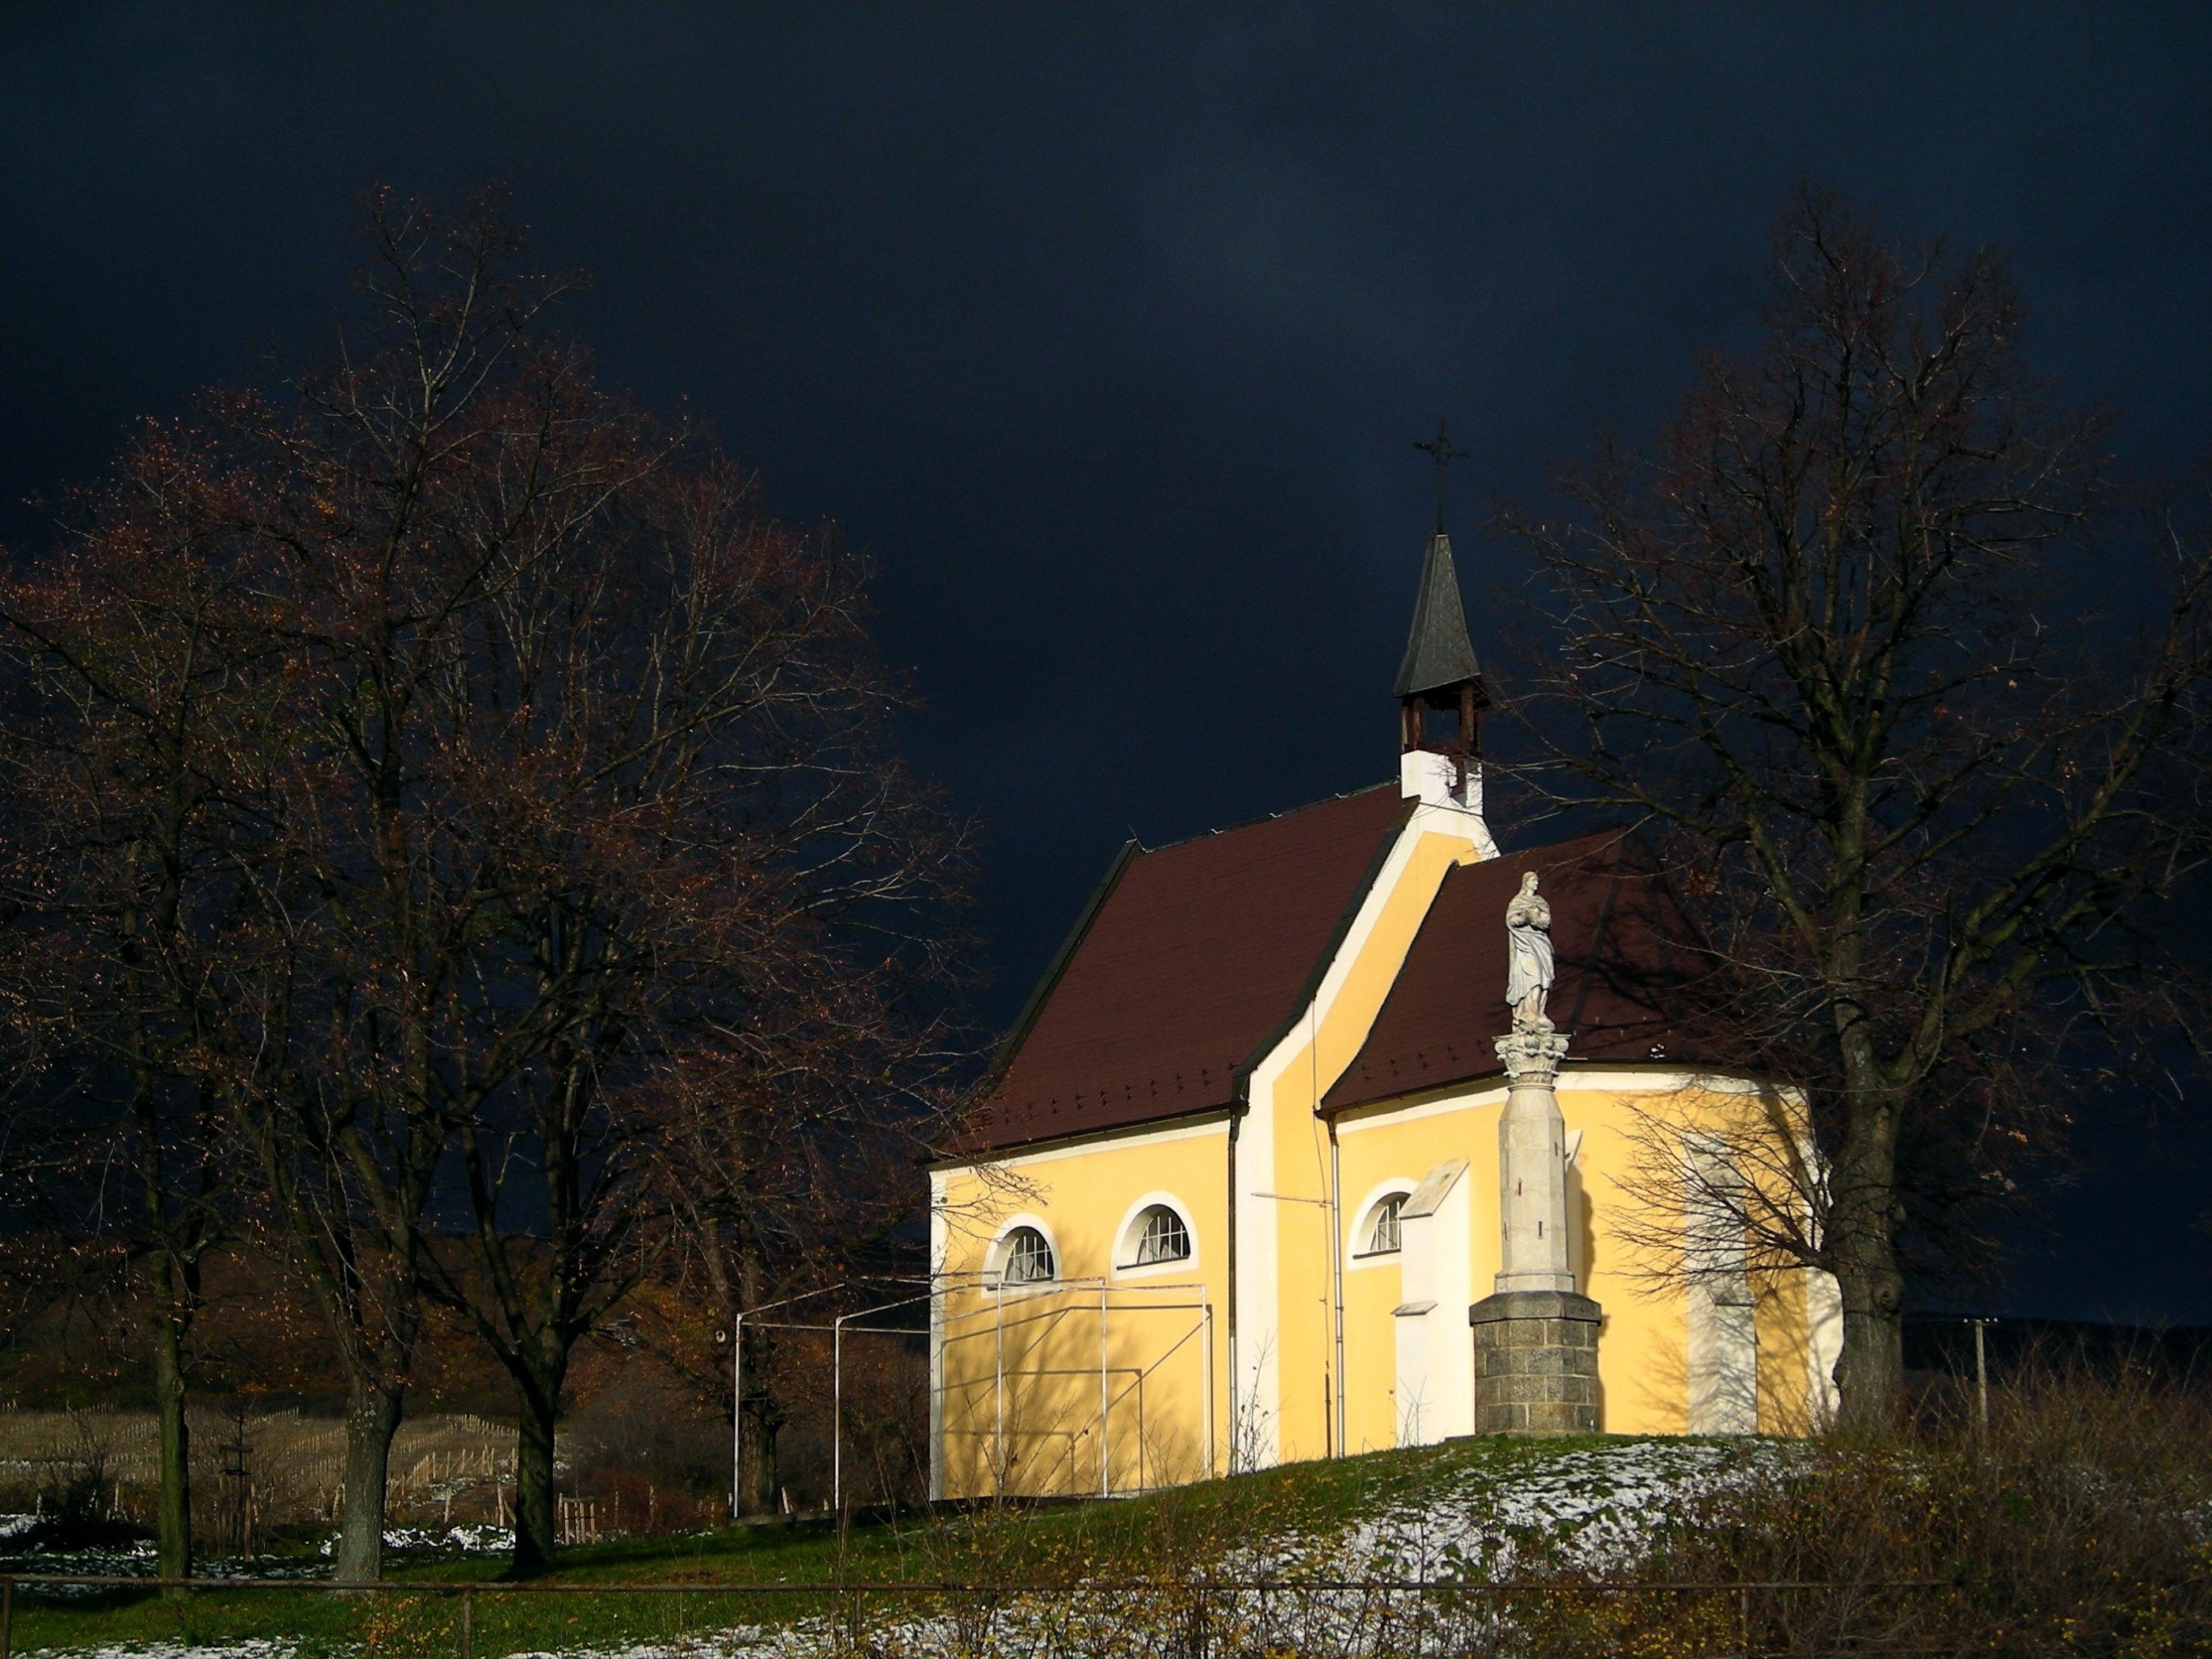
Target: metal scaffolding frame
(994, 1287)
(992, 1284)
(837, 1328)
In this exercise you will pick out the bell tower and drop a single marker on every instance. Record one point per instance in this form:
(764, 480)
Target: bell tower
(1439, 673)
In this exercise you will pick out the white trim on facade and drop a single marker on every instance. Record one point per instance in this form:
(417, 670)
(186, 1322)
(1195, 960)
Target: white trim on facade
(1253, 1386)
(1211, 1123)
(1256, 1391)
(1383, 1113)
(1572, 1080)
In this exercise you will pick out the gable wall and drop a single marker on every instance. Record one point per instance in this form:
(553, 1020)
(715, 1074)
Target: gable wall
(1284, 1365)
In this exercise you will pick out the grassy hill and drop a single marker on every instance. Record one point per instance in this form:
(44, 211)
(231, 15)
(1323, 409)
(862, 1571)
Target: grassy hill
(1434, 1512)
(2081, 1522)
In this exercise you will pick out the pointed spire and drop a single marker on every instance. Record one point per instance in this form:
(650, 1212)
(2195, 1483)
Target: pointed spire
(1438, 655)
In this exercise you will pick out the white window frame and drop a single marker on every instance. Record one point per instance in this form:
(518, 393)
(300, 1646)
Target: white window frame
(1130, 1233)
(1356, 1253)
(994, 1259)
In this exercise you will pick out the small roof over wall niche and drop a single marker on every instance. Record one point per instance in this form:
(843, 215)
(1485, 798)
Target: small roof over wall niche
(1190, 958)
(1435, 1187)
(1627, 967)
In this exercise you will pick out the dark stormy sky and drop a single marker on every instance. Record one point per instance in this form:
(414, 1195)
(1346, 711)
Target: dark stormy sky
(1107, 331)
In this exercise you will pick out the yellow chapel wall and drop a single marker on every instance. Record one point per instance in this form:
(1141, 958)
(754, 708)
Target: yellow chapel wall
(1642, 1366)
(1018, 1374)
(1293, 1081)
(1017, 1370)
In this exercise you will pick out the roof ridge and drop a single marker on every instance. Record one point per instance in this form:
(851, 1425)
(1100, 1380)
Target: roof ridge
(1271, 817)
(1621, 831)
(1459, 951)
(1319, 972)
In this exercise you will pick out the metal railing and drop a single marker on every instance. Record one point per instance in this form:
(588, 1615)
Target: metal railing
(1189, 1619)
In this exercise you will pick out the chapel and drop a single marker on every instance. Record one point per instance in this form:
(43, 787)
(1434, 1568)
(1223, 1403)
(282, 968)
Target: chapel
(1269, 1167)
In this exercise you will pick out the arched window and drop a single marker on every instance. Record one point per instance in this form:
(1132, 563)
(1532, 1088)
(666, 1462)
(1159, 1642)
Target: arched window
(1383, 1234)
(1161, 1236)
(1025, 1258)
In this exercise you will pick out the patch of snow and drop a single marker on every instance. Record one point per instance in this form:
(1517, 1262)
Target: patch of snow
(254, 1648)
(1598, 1507)
(134, 1560)
(450, 1540)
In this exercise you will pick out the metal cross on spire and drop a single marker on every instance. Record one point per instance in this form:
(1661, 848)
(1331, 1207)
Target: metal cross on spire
(1442, 448)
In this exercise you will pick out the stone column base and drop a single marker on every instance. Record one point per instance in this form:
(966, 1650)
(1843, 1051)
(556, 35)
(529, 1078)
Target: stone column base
(1535, 1363)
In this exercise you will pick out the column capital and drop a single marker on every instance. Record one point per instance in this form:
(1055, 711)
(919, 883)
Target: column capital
(1532, 1054)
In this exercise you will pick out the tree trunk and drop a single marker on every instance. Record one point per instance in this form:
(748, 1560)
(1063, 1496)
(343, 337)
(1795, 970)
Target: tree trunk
(534, 1491)
(1863, 1255)
(756, 1473)
(173, 1524)
(372, 1418)
(1870, 1370)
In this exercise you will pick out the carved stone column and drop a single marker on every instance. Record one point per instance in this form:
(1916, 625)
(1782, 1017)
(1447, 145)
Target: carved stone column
(1535, 1340)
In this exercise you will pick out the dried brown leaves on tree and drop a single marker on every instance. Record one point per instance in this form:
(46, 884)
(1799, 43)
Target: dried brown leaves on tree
(511, 759)
(124, 821)
(1874, 646)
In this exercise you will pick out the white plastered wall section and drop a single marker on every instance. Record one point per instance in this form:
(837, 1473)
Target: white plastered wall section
(1266, 1142)
(1436, 1358)
(1824, 1316)
(1723, 1344)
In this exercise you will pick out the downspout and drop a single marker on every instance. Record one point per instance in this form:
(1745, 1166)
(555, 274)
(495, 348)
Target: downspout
(1237, 1108)
(1336, 1272)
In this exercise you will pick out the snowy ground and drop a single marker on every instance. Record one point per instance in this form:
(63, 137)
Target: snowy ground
(437, 1540)
(1597, 1505)
(136, 1560)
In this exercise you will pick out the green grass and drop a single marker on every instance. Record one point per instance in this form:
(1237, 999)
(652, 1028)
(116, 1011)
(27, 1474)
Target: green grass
(1164, 1533)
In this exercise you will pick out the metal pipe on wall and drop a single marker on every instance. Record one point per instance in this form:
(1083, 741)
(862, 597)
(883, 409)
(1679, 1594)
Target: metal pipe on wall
(1336, 1271)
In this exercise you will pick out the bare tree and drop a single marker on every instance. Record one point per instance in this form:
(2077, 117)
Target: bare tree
(724, 850)
(314, 558)
(1857, 640)
(517, 772)
(123, 823)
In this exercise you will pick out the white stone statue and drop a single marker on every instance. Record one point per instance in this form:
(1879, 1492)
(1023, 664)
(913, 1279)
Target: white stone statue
(1528, 966)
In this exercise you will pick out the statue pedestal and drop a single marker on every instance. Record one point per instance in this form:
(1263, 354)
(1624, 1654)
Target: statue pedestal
(1535, 1340)
(1535, 1363)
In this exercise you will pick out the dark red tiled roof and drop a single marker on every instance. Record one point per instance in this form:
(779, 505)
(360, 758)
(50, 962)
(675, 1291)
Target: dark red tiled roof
(1624, 965)
(1193, 958)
